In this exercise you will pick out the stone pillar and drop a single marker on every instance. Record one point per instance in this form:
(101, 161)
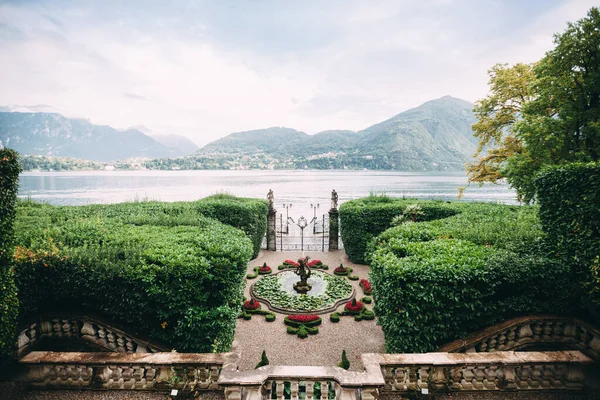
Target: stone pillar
(271, 231)
(334, 229)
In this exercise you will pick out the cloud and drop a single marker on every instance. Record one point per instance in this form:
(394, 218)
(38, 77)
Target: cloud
(206, 69)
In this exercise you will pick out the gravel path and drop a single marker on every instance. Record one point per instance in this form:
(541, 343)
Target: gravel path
(324, 348)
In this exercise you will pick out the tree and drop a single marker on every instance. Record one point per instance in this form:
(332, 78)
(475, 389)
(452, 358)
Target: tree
(542, 114)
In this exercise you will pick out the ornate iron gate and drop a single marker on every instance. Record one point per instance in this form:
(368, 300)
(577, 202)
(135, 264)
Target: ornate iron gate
(301, 234)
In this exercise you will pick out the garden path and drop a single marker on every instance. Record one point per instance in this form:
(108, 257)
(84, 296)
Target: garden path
(324, 348)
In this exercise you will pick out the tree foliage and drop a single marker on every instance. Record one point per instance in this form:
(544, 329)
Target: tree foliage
(542, 114)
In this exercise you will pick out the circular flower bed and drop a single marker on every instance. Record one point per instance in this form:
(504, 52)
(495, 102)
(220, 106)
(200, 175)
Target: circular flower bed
(327, 292)
(342, 271)
(354, 306)
(251, 305)
(265, 269)
(302, 319)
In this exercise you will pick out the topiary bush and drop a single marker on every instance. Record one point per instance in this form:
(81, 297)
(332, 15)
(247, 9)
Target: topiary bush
(9, 304)
(431, 288)
(178, 284)
(363, 219)
(569, 199)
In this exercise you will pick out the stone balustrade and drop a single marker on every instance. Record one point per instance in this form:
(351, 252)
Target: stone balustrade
(383, 374)
(84, 328)
(122, 371)
(499, 371)
(530, 332)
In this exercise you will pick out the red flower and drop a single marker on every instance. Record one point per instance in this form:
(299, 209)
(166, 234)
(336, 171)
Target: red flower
(264, 269)
(303, 318)
(354, 306)
(289, 262)
(340, 269)
(314, 263)
(366, 285)
(251, 305)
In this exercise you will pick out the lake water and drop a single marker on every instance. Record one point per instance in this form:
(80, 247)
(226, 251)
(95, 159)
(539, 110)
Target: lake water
(299, 187)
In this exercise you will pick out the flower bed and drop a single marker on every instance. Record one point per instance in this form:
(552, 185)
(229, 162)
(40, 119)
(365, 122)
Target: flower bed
(303, 319)
(315, 264)
(366, 286)
(303, 324)
(265, 269)
(251, 305)
(342, 271)
(354, 306)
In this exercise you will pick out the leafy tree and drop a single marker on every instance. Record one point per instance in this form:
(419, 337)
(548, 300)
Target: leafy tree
(545, 114)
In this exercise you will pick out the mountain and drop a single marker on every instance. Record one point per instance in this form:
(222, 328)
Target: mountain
(181, 144)
(51, 134)
(434, 135)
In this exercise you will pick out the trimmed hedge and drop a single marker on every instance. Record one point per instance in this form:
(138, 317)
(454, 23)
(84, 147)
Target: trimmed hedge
(248, 215)
(178, 284)
(569, 199)
(434, 282)
(9, 304)
(363, 219)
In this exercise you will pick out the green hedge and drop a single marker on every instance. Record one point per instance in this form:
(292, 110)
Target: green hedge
(178, 284)
(363, 219)
(9, 304)
(248, 215)
(437, 281)
(569, 199)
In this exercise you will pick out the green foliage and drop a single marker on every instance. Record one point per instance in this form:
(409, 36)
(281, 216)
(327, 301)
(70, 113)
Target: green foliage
(270, 287)
(345, 363)
(569, 198)
(178, 281)
(363, 219)
(9, 304)
(437, 281)
(366, 300)
(551, 112)
(334, 317)
(263, 360)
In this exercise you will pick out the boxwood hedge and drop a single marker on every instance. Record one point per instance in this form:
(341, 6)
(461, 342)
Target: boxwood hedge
(9, 183)
(363, 219)
(437, 281)
(569, 199)
(178, 284)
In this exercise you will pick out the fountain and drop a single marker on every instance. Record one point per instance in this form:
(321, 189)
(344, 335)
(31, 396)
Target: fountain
(303, 271)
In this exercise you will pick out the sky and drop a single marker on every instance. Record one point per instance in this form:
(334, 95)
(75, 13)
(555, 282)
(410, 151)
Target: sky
(204, 69)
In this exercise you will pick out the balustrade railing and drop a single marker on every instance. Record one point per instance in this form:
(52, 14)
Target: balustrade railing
(84, 328)
(383, 374)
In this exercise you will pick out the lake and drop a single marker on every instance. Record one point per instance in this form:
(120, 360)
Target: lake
(299, 187)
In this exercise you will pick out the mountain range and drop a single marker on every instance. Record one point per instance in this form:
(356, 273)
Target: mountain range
(52, 134)
(434, 135)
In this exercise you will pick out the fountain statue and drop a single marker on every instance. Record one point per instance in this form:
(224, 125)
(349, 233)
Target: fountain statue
(303, 271)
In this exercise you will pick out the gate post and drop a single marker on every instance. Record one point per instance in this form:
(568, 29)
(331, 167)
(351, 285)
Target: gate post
(334, 222)
(271, 221)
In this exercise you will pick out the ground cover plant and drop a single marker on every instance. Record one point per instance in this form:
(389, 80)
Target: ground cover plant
(157, 269)
(436, 281)
(270, 287)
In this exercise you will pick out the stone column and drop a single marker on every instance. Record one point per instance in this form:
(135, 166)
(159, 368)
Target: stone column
(334, 229)
(271, 227)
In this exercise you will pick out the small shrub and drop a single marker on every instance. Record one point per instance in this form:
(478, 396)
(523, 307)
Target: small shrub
(345, 363)
(366, 286)
(263, 360)
(334, 317)
(366, 300)
(354, 277)
(270, 317)
(353, 306)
